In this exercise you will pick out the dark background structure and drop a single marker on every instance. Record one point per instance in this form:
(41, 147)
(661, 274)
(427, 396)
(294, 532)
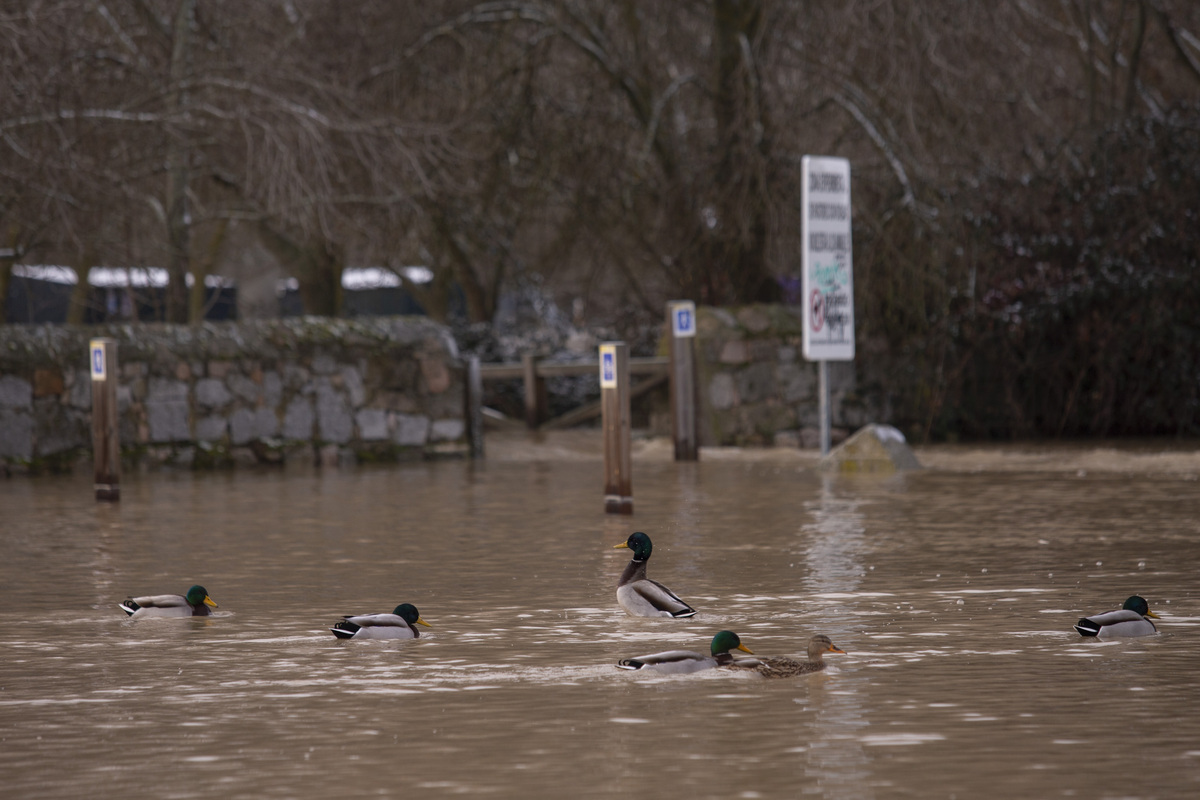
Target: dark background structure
(1026, 175)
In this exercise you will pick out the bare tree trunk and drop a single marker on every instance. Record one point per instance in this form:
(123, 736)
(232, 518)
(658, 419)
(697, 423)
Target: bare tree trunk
(6, 264)
(178, 218)
(737, 257)
(1135, 57)
(197, 308)
(77, 306)
(316, 266)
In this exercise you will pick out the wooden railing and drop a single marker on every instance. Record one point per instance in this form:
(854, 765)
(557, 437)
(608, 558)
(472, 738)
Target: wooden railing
(533, 372)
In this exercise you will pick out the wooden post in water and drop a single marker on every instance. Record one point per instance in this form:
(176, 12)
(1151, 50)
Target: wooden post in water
(106, 443)
(535, 393)
(474, 406)
(681, 319)
(614, 408)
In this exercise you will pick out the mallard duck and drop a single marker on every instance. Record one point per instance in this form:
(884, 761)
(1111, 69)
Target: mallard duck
(193, 604)
(1126, 622)
(784, 667)
(397, 625)
(680, 662)
(640, 596)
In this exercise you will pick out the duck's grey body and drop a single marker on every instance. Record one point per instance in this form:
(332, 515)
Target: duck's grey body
(640, 596)
(674, 662)
(682, 662)
(400, 624)
(195, 604)
(1125, 623)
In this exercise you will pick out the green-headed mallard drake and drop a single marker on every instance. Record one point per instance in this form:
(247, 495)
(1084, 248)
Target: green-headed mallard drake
(681, 662)
(1126, 622)
(400, 624)
(640, 596)
(193, 604)
(784, 667)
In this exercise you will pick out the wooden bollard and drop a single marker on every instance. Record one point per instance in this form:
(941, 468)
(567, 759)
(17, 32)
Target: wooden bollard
(474, 403)
(681, 319)
(535, 393)
(106, 442)
(614, 412)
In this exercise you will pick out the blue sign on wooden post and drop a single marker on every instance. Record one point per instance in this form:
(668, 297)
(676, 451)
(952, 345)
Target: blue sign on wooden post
(99, 372)
(683, 319)
(608, 367)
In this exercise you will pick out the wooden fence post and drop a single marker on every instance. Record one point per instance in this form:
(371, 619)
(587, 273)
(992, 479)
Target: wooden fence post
(614, 403)
(474, 402)
(535, 392)
(106, 443)
(681, 319)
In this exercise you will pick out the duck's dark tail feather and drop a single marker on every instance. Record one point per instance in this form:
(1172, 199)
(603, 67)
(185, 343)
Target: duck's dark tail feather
(687, 612)
(629, 663)
(344, 629)
(128, 606)
(1087, 628)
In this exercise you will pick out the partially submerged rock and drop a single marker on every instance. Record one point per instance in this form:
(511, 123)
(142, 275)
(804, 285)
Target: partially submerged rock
(874, 448)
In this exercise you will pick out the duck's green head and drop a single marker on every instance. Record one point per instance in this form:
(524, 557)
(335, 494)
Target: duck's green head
(725, 641)
(640, 544)
(408, 612)
(1138, 604)
(197, 595)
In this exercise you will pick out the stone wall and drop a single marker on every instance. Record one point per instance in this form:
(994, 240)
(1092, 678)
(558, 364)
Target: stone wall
(221, 393)
(756, 387)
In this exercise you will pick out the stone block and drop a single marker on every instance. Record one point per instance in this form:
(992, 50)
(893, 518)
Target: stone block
(436, 375)
(272, 388)
(81, 390)
(15, 392)
(353, 382)
(243, 387)
(334, 422)
(411, 430)
(247, 425)
(16, 434)
(298, 419)
(734, 352)
(447, 430)
(211, 429)
(797, 381)
(211, 393)
(372, 424)
(874, 448)
(756, 383)
(47, 382)
(167, 410)
(323, 364)
(722, 392)
(219, 369)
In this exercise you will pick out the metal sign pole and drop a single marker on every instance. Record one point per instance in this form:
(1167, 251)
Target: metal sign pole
(824, 408)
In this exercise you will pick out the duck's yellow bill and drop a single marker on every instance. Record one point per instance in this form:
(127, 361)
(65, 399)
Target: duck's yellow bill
(208, 601)
(423, 622)
(619, 546)
(1152, 614)
(833, 648)
(745, 649)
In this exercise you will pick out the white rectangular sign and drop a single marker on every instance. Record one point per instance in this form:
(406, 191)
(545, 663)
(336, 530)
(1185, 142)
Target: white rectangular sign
(96, 356)
(683, 318)
(608, 366)
(827, 275)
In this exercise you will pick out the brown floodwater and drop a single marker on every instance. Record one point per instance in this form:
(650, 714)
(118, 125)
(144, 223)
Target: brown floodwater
(953, 590)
